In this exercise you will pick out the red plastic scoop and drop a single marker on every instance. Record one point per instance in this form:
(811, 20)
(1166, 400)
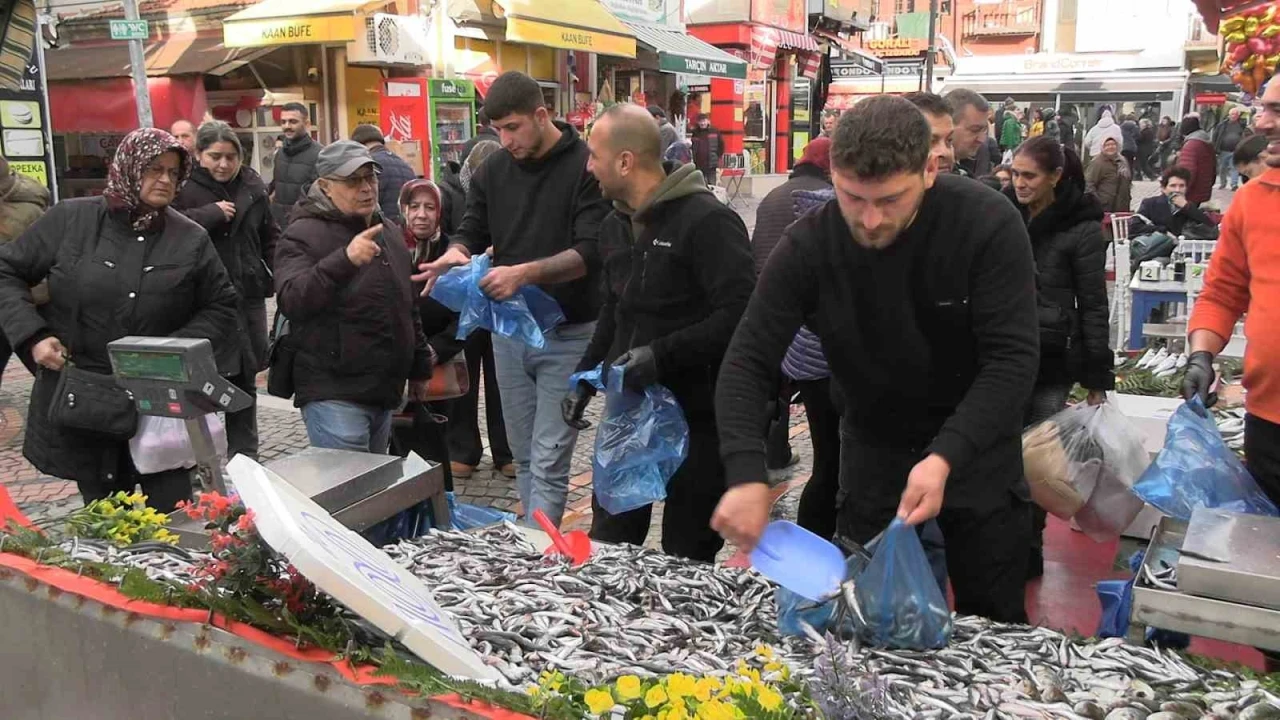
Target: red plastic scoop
(576, 545)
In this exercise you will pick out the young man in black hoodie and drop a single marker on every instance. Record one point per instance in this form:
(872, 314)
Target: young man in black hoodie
(678, 274)
(921, 288)
(540, 209)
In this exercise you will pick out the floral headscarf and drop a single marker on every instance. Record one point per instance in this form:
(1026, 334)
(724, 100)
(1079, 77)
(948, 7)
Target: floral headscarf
(135, 154)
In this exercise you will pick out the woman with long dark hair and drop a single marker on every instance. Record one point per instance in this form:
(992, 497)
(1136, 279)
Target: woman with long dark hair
(1065, 225)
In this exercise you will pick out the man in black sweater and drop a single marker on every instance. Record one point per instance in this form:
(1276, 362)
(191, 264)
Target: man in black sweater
(921, 288)
(540, 209)
(677, 276)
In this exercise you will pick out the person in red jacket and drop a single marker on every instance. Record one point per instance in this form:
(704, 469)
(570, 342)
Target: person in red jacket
(1198, 156)
(1244, 279)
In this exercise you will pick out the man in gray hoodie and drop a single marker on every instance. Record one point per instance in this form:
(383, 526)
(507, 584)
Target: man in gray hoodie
(666, 130)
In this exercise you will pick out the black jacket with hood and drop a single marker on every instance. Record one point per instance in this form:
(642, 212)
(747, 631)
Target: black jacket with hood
(356, 329)
(777, 209)
(1070, 255)
(677, 277)
(293, 172)
(247, 242)
(533, 209)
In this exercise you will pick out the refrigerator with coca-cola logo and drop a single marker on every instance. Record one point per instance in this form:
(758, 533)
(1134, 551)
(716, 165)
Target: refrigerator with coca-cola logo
(431, 120)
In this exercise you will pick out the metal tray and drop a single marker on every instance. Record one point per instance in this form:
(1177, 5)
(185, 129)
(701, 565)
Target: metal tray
(1248, 547)
(1228, 621)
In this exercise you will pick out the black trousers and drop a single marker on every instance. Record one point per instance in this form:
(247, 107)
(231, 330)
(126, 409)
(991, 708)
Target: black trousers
(464, 413)
(1262, 455)
(986, 543)
(426, 434)
(692, 495)
(164, 490)
(1132, 158)
(242, 427)
(817, 511)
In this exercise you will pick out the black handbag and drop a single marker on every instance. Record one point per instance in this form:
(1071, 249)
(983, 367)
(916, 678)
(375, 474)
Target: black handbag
(280, 358)
(90, 402)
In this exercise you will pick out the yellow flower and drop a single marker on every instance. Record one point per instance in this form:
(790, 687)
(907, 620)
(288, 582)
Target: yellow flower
(764, 651)
(704, 688)
(534, 691)
(629, 688)
(714, 710)
(655, 697)
(599, 701)
(680, 685)
(773, 666)
(768, 699)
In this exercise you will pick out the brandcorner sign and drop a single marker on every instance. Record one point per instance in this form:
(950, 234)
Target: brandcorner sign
(130, 30)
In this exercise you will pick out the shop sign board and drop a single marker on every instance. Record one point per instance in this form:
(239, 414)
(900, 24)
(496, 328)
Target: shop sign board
(289, 31)
(844, 69)
(1055, 63)
(129, 30)
(896, 47)
(25, 137)
(356, 573)
(452, 89)
(533, 32)
(790, 15)
(658, 12)
(671, 62)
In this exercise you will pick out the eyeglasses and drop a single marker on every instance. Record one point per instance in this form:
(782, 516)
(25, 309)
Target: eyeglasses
(155, 172)
(358, 181)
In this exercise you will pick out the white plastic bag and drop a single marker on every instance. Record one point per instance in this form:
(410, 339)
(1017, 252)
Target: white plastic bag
(162, 443)
(1082, 463)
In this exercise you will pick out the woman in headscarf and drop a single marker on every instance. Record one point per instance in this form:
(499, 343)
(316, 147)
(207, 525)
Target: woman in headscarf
(465, 449)
(121, 264)
(230, 201)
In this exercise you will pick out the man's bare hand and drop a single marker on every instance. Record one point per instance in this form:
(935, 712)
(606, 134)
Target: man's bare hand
(501, 283)
(1179, 200)
(430, 272)
(922, 499)
(49, 353)
(742, 514)
(363, 248)
(228, 209)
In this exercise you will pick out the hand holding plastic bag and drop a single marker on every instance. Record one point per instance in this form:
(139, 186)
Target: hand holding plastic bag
(641, 442)
(1082, 463)
(900, 604)
(1197, 469)
(525, 316)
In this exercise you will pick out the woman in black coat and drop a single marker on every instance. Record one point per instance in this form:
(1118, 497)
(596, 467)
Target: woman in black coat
(121, 264)
(230, 201)
(1065, 225)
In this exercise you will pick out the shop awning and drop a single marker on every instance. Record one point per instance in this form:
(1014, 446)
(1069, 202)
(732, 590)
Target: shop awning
(583, 25)
(176, 55)
(867, 61)
(1136, 83)
(107, 105)
(272, 23)
(680, 52)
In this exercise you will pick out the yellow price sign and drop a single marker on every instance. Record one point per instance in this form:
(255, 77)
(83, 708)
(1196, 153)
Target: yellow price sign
(35, 169)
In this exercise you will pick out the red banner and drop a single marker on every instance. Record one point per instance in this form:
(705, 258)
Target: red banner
(108, 106)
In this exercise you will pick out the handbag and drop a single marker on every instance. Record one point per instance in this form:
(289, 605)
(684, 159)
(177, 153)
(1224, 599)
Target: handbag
(449, 380)
(90, 402)
(280, 358)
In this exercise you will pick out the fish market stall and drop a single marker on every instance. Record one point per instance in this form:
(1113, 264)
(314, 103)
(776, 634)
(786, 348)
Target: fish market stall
(1216, 576)
(631, 631)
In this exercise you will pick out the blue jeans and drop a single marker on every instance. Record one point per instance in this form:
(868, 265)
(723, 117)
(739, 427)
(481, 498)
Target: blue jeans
(1227, 167)
(342, 425)
(532, 383)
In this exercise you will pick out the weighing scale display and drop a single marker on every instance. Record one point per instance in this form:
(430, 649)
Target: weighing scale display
(162, 366)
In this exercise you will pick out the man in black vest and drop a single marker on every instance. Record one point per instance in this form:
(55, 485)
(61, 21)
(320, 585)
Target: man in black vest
(294, 168)
(921, 288)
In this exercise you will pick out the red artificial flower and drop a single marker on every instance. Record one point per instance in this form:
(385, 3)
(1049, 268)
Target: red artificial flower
(245, 523)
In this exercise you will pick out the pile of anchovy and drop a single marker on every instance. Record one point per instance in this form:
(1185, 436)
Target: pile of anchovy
(631, 610)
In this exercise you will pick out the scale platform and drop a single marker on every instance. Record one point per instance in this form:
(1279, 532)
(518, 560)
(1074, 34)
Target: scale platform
(1248, 547)
(1231, 621)
(358, 489)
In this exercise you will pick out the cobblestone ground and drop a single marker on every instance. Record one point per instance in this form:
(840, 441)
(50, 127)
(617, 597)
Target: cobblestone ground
(282, 433)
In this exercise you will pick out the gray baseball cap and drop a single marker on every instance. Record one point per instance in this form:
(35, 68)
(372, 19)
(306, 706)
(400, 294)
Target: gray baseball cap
(342, 159)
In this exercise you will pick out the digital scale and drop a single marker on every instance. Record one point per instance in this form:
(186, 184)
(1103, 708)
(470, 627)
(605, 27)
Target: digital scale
(178, 378)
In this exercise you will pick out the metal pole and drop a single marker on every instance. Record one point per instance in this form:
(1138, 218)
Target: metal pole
(933, 45)
(48, 118)
(138, 64)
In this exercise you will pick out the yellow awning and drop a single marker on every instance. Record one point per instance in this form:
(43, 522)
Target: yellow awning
(289, 22)
(568, 24)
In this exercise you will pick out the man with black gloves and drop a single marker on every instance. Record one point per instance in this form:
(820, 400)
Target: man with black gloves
(678, 274)
(921, 288)
(537, 206)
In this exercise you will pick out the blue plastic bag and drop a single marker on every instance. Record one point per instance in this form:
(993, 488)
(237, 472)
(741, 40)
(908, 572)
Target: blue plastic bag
(525, 316)
(1116, 598)
(641, 442)
(900, 602)
(793, 608)
(1197, 469)
(465, 516)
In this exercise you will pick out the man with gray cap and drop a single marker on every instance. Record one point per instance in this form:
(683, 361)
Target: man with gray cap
(342, 279)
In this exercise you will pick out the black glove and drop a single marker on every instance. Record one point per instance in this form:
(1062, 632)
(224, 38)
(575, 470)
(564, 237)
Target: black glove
(639, 368)
(575, 403)
(1199, 378)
